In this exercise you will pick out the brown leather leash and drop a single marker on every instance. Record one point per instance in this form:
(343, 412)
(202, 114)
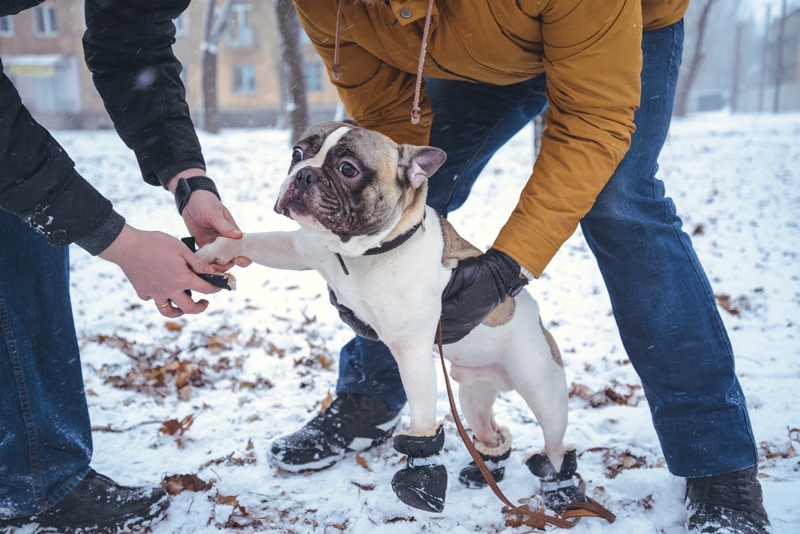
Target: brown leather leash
(571, 514)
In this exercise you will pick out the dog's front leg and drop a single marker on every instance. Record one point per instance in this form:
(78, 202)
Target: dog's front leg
(418, 373)
(423, 482)
(278, 250)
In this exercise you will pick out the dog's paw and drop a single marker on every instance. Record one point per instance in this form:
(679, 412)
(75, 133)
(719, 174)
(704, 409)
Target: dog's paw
(222, 252)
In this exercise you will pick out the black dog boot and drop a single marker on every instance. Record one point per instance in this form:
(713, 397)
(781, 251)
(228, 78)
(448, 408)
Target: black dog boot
(558, 488)
(495, 459)
(423, 482)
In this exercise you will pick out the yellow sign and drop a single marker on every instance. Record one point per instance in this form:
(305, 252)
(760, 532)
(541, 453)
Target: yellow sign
(33, 71)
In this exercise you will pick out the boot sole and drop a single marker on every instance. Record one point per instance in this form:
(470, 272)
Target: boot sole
(114, 526)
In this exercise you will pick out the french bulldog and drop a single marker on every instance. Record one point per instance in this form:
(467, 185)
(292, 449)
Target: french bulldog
(359, 201)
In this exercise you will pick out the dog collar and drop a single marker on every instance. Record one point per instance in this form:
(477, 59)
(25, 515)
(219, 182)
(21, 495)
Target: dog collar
(386, 247)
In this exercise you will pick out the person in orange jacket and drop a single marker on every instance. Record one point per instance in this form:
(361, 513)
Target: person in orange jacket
(465, 77)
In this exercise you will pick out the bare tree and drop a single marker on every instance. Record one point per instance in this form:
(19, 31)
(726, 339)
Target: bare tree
(214, 27)
(776, 106)
(685, 86)
(289, 27)
(737, 60)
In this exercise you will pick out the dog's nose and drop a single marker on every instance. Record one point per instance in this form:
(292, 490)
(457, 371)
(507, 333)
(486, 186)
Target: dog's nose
(306, 176)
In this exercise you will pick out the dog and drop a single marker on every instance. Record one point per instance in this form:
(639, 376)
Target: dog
(352, 191)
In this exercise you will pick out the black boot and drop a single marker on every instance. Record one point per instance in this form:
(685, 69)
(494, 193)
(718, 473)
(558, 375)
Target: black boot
(423, 482)
(558, 488)
(495, 459)
(352, 423)
(98, 504)
(731, 502)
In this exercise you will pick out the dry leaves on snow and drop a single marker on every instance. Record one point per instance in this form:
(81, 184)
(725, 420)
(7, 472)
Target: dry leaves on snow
(177, 484)
(625, 394)
(733, 306)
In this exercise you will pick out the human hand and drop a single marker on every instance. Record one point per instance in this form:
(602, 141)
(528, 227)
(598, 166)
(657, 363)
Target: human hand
(477, 286)
(161, 268)
(206, 217)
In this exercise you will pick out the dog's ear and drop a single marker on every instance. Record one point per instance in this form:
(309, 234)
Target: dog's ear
(418, 163)
(351, 122)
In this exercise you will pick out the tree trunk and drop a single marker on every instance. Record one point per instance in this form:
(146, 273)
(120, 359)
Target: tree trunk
(737, 60)
(776, 106)
(214, 26)
(538, 132)
(289, 27)
(682, 98)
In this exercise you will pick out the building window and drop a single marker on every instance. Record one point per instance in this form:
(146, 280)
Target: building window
(44, 21)
(239, 31)
(180, 24)
(6, 26)
(312, 72)
(244, 79)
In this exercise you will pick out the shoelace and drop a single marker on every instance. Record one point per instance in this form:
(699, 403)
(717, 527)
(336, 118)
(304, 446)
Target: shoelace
(730, 490)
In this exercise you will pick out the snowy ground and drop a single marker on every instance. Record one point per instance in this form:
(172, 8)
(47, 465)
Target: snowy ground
(260, 362)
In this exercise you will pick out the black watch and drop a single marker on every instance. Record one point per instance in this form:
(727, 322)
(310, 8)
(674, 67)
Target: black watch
(187, 186)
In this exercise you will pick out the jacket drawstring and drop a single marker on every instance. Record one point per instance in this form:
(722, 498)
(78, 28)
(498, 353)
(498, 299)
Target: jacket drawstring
(336, 68)
(415, 111)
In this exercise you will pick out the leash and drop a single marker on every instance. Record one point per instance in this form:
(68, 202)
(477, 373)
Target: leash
(571, 514)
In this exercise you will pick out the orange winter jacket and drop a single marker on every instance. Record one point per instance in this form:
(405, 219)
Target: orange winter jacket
(590, 51)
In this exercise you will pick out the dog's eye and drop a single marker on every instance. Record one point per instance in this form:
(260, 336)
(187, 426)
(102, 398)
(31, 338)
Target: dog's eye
(348, 169)
(297, 155)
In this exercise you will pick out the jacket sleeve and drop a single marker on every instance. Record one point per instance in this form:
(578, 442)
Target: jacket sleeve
(376, 95)
(593, 61)
(128, 48)
(39, 182)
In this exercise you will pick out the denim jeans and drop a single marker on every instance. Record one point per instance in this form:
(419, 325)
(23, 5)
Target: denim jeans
(663, 303)
(45, 434)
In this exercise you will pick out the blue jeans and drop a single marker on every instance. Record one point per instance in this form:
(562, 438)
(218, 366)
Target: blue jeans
(45, 434)
(663, 304)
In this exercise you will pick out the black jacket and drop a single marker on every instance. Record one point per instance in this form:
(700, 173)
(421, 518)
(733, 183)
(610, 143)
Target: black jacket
(128, 48)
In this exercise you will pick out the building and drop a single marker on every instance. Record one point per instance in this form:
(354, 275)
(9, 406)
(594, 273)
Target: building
(42, 53)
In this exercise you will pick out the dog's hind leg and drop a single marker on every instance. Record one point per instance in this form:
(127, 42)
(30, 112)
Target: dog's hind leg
(541, 381)
(493, 442)
(476, 399)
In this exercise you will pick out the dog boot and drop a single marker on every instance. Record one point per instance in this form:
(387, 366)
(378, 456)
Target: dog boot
(558, 488)
(495, 459)
(423, 482)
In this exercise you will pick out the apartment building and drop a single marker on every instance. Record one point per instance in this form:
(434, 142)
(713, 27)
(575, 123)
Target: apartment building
(42, 54)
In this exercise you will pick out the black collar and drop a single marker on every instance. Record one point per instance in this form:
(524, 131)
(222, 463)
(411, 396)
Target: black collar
(386, 247)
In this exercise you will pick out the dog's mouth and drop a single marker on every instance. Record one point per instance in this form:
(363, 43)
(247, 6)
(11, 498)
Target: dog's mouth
(292, 205)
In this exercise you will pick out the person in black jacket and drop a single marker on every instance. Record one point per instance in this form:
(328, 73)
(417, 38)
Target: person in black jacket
(45, 434)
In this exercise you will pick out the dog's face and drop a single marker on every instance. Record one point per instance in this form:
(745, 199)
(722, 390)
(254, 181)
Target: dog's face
(351, 181)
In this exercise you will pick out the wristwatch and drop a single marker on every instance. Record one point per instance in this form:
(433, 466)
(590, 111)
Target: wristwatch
(187, 186)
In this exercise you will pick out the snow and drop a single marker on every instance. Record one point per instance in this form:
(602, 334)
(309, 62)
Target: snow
(265, 356)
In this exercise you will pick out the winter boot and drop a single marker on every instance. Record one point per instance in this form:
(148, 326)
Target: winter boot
(730, 502)
(495, 459)
(558, 488)
(423, 482)
(98, 504)
(352, 423)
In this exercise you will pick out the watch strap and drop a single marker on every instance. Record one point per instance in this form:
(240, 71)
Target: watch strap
(187, 186)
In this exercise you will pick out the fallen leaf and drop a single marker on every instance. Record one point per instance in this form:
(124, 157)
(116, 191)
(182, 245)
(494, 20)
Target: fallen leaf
(172, 326)
(176, 484)
(173, 425)
(326, 402)
(362, 462)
